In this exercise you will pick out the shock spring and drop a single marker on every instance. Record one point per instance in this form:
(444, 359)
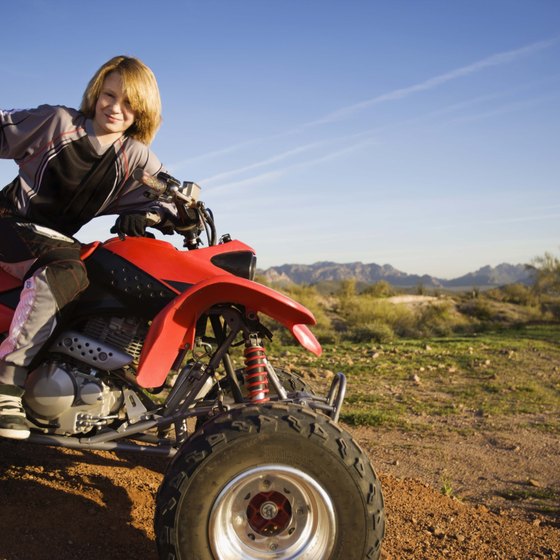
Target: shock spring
(256, 374)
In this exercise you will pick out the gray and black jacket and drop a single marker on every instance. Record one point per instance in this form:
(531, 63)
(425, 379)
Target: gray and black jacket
(66, 178)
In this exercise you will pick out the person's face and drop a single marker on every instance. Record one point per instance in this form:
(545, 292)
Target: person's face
(113, 115)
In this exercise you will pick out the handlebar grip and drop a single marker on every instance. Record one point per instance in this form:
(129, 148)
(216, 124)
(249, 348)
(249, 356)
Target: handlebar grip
(152, 182)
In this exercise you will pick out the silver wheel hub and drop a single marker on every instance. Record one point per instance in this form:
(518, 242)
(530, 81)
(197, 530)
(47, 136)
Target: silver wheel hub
(272, 511)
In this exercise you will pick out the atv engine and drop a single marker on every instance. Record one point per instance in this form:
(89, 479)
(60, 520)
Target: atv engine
(73, 392)
(66, 401)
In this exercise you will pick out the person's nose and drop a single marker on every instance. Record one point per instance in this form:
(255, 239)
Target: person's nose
(116, 106)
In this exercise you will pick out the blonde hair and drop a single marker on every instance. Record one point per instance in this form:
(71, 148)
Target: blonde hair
(140, 86)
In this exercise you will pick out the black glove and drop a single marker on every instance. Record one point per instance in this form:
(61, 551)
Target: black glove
(133, 225)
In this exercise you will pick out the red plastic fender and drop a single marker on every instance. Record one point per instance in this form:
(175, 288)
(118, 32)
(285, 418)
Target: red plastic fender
(174, 327)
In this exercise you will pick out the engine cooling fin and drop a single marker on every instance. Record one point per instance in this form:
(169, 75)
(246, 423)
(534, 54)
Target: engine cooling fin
(126, 333)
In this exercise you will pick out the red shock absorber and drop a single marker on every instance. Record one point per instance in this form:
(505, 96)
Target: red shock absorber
(256, 374)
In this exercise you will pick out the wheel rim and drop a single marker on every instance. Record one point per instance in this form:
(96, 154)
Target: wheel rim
(272, 511)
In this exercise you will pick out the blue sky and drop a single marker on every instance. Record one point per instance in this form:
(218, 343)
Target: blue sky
(424, 134)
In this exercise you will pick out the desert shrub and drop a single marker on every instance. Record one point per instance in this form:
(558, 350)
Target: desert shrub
(376, 331)
(404, 320)
(326, 336)
(379, 289)
(347, 288)
(478, 308)
(518, 294)
(550, 307)
(488, 311)
(440, 319)
(369, 318)
(361, 313)
(546, 271)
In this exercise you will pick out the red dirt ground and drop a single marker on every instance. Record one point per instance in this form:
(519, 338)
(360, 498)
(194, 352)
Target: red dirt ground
(68, 504)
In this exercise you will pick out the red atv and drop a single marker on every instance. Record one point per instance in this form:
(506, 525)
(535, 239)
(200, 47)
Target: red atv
(164, 354)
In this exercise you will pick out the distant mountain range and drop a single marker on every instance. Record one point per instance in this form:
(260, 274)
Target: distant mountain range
(486, 276)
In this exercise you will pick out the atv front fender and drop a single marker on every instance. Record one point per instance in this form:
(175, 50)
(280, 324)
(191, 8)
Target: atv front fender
(174, 327)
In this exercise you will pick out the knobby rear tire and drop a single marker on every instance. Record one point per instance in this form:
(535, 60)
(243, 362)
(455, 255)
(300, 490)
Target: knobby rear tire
(283, 459)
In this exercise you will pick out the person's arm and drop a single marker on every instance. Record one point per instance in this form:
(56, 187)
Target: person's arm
(135, 209)
(22, 128)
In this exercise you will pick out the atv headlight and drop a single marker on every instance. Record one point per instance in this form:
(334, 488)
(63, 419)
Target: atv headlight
(239, 263)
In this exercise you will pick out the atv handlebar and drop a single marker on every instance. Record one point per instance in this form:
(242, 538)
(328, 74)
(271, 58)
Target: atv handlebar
(193, 216)
(166, 186)
(159, 187)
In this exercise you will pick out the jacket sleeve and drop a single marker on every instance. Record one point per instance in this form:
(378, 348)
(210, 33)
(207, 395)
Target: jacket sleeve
(21, 129)
(132, 196)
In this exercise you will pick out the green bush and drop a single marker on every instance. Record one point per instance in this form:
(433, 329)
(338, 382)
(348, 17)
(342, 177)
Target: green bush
(439, 319)
(379, 289)
(326, 336)
(363, 312)
(377, 331)
(362, 315)
(478, 308)
(518, 294)
(550, 307)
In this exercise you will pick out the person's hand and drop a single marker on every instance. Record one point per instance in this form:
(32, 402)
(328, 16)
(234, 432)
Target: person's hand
(133, 225)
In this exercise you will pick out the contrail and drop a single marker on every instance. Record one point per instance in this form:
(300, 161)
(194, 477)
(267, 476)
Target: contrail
(493, 60)
(280, 172)
(401, 93)
(268, 161)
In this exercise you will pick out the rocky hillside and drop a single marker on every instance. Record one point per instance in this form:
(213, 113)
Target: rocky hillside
(486, 276)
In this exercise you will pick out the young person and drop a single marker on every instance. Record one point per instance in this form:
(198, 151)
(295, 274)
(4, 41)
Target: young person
(74, 165)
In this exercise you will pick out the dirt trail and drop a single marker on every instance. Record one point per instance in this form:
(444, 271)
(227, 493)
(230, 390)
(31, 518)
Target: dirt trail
(68, 504)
